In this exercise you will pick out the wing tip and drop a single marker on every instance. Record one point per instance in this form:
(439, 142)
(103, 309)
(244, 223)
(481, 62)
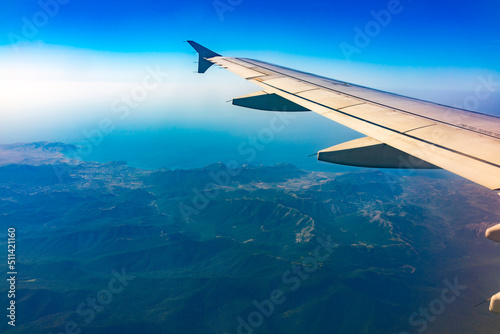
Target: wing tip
(204, 53)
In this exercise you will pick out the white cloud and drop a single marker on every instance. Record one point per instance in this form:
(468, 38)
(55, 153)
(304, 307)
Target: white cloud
(49, 92)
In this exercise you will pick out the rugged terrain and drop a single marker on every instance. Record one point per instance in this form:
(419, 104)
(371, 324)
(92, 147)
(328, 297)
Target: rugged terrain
(204, 249)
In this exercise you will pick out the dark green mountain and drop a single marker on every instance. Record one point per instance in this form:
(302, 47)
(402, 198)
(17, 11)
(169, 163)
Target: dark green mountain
(106, 248)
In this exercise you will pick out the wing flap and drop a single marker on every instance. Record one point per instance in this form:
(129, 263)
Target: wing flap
(332, 99)
(459, 140)
(290, 85)
(386, 117)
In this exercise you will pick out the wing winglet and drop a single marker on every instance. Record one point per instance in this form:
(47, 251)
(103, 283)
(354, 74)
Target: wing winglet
(204, 53)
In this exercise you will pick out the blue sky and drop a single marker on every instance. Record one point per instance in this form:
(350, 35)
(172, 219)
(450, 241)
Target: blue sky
(424, 33)
(63, 64)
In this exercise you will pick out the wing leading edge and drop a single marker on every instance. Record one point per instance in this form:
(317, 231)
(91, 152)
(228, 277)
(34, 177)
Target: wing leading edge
(401, 132)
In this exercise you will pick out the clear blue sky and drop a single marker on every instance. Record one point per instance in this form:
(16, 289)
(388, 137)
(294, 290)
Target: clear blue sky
(425, 33)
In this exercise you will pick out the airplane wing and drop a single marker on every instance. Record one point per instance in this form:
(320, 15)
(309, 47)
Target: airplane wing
(401, 132)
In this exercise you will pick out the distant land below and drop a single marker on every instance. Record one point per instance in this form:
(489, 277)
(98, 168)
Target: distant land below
(178, 148)
(105, 247)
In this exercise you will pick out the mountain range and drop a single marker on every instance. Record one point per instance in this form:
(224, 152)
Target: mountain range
(107, 248)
